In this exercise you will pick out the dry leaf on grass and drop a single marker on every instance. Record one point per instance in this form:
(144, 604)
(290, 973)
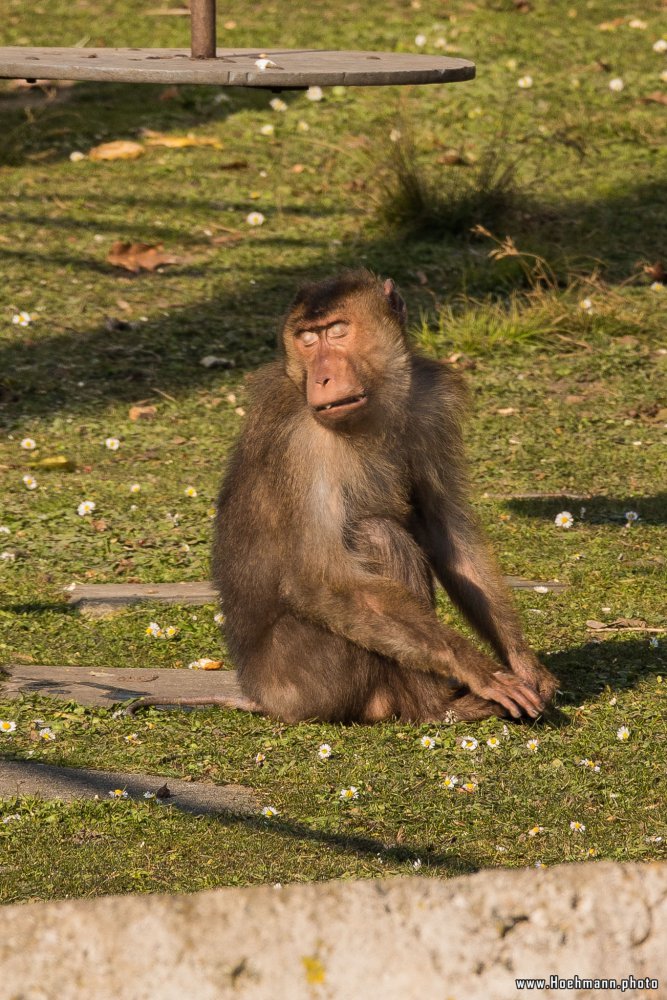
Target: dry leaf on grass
(137, 257)
(212, 665)
(120, 149)
(142, 412)
(622, 625)
(180, 141)
(656, 97)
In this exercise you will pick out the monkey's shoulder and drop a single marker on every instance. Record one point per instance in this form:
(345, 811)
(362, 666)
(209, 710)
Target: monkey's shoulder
(436, 390)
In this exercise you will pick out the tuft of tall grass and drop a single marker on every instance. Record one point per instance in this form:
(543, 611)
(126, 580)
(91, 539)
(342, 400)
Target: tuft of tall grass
(417, 201)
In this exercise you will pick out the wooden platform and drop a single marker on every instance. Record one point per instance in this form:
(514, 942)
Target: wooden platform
(292, 68)
(99, 599)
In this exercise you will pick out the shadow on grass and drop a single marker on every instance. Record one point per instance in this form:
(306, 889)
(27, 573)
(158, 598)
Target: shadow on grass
(598, 509)
(618, 663)
(86, 783)
(39, 375)
(50, 122)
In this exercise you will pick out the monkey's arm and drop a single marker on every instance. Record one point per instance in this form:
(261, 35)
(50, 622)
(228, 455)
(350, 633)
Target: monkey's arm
(447, 530)
(383, 616)
(461, 560)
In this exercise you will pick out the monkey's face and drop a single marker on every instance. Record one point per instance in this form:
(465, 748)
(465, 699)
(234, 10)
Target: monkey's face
(343, 356)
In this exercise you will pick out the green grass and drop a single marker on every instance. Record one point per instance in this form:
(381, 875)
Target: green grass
(560, 397)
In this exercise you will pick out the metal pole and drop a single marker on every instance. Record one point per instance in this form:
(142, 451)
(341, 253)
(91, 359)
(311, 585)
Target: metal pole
(202, 27)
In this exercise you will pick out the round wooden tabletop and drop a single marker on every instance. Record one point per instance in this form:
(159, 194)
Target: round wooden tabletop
(273, 68)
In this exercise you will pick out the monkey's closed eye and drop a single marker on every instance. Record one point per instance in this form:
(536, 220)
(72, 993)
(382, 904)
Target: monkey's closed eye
(337, 330)
(308, 337)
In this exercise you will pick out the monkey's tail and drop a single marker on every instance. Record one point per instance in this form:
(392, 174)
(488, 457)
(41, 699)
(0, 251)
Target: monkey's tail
(239, 702)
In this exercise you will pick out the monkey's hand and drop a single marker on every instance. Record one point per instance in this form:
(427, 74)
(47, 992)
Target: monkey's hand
(514, 695)
(528, 668)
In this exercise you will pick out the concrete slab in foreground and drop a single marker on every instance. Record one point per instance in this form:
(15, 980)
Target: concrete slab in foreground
(107, 686)
(464, 939)
(47, 781)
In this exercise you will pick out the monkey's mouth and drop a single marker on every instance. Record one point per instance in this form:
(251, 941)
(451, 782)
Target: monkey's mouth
(343, 405)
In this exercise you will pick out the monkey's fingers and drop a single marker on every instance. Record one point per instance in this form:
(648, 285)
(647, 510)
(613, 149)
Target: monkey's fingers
(515, 694)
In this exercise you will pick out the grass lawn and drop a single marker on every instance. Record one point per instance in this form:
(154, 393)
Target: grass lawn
(561, 330)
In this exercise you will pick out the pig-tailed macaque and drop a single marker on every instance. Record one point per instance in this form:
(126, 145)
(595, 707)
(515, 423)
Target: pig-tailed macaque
(344, 500)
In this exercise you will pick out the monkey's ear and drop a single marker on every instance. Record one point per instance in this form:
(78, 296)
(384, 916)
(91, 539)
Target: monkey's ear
(395, 301)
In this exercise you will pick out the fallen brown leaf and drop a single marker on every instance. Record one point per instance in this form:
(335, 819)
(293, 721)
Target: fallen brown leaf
(212, 665)
(120, 149)
(656, 272)
(622, 625)
(137, 257)
(142, 412)
(655, 97)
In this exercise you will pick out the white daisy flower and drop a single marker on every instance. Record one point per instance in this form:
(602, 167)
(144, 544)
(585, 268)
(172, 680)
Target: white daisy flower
(533, 744)
(170, 631)
(659, 46)
(85, 507)
(417, 864)
(535, 831)
(314, 94)
(267, 129)
(469, 786)
(302, 126)
(420, 41)
(135, 487)
(539, 864)
(4, 530)
(617, 85)
(6, 726)
(76, 156)
(277, 104)
(586, 305)
(324, 751)
(395, 135)
(428, 742)
(219, 618)
(658, 286)
(30, 482)
(631, 516)
(347, 794)
(255, 219)
(623, 734)
(149, 795)
(118, 793)
(493, 742)
(469, 743)
(47, 734)
(638, 24)
(28, 444)
(525, 82)
(113, 444)
(576, 826)
(450, 781)
(190, 491)
(24, 318)
(270, 812)
(154, 629)
(564, 519)
(260, 758)
(11, 818)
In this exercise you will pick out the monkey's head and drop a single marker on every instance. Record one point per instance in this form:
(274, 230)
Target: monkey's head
(345, 346)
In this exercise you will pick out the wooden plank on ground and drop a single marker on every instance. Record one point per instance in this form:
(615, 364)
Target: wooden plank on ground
(97, 599)
(107, 686)
(20, 778)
